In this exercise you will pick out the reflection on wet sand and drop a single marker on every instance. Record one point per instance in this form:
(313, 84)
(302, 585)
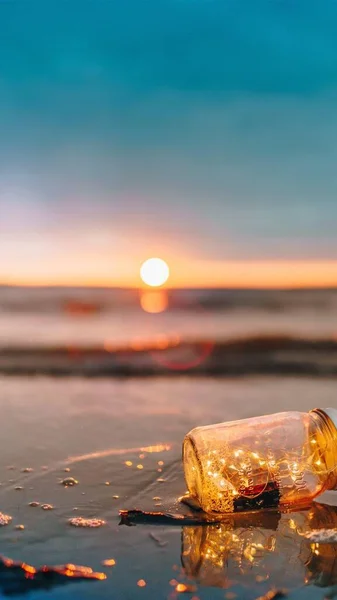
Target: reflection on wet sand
(269, 546)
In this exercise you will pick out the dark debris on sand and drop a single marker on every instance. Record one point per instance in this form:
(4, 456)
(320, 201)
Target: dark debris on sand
(19, 578)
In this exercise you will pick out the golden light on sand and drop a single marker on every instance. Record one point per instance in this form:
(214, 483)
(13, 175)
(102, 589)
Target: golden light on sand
(154, 272)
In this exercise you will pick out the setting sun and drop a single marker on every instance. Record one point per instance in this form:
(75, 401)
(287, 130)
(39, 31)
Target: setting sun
(154, 272)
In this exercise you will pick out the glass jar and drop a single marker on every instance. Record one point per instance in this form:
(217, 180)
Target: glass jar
(275, 461)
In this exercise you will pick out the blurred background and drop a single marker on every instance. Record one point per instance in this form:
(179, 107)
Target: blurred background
(185, 130)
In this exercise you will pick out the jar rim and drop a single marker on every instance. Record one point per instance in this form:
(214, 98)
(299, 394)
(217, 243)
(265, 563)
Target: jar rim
(329, 417)
(332, 414)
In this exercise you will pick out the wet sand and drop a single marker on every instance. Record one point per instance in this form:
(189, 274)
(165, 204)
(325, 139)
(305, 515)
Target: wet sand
(121, 440)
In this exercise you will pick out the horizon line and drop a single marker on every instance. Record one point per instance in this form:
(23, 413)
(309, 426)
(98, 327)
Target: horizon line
(168, 288)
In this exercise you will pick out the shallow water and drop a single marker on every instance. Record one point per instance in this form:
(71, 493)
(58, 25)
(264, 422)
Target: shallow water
(88, 430)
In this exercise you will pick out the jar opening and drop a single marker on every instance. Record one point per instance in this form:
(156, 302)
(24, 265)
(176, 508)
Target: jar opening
(328, 431)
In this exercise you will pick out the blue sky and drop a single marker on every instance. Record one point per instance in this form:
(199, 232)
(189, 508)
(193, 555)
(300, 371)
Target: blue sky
(197, 128)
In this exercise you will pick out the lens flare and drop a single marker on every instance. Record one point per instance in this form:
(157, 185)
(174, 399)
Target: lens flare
(154, 272)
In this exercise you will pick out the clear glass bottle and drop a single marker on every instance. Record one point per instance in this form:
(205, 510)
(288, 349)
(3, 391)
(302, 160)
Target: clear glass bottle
(282, 460)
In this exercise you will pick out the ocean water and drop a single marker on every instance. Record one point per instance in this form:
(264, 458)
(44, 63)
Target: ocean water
(89, 316)
(111, 332)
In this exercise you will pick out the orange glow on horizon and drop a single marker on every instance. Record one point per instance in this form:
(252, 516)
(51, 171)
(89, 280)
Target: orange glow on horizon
(198, 274)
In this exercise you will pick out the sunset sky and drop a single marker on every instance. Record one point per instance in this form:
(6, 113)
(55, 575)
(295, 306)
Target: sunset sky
(200, 131)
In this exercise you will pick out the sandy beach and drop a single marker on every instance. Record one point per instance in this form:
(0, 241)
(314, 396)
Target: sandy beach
(121, 440)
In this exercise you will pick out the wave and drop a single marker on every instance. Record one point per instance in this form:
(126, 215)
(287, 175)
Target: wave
(256, 355)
